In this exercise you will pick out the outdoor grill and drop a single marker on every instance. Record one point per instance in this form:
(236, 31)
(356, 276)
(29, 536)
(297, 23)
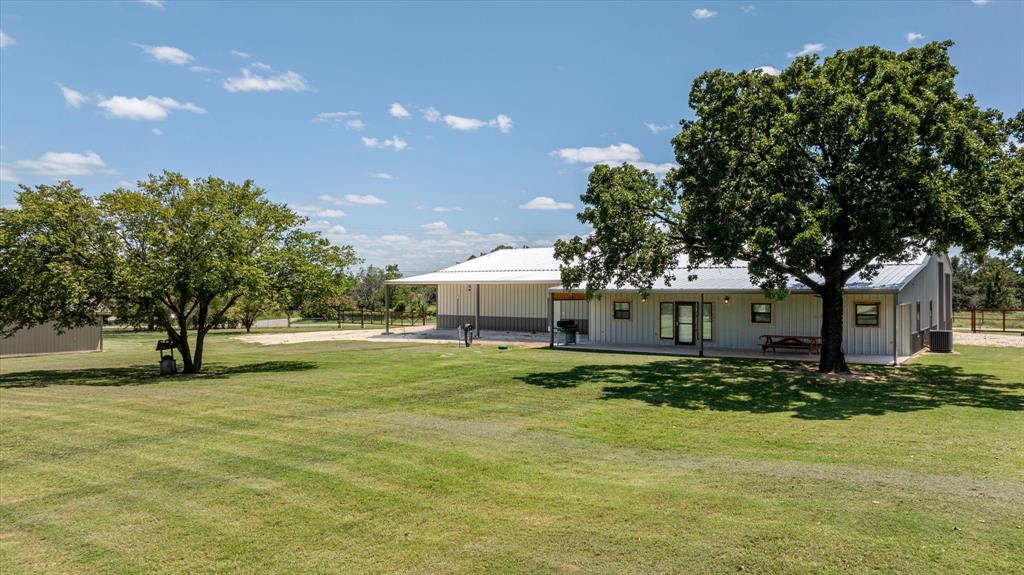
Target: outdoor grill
(569, 328)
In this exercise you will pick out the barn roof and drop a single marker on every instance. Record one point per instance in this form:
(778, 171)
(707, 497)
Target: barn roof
(539, 266)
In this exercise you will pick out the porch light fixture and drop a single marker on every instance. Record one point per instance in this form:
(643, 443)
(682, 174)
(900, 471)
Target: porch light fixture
(726, 299)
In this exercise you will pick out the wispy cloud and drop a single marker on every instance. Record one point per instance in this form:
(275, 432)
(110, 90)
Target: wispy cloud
(914, 37)
(157, 132)
(621, 152)
(6, 40)
(153, 3)
(398, 111)
(318, 211)
(364, 200)
(252, 82)
(66, 164)
(201, 69)
(241, 54)
(148, 108)
(436, 228)
(335, 117)
(6, 175)
(748, 8)
(395, 143)
(657, 128)
(72, 98)
(979, 2)
(168, 54)
(431, 114)
(381, 175)
(502, 122)
(770, 70)
(546, 203)
(443, 209)
(703, 13)
(810, 48)
(611, 155)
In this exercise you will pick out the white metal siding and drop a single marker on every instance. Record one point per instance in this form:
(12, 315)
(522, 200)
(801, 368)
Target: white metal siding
(44, 339)
(796, 315)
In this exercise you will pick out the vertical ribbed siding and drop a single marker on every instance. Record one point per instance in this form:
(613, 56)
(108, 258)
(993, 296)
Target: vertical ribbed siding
(507, 307)
(795, 315)
(44, 339)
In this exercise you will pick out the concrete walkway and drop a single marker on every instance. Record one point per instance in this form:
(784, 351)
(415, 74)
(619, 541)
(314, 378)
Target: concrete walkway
(419, 334)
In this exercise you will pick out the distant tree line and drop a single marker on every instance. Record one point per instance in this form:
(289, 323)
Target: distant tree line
(984, 280)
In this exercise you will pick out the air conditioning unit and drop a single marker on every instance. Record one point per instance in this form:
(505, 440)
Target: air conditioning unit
(941, 340)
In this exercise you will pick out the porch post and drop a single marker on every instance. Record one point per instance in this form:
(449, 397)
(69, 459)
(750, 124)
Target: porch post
(700, 327)
(895, 330)
(387, 308)
(477, 319)
(551, 318)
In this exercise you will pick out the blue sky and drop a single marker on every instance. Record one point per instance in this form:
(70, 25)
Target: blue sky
(501, 108)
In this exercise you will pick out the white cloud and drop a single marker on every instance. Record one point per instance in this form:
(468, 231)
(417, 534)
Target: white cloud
(240, 54)
(153, 3)
(397, 110)
(395, 143)
(621, 152)
(442, 209)
(381, 175)
(703, 13)
(318, 211)
(336, 229)
(261, 66)
(657, 129)
(6, 40)
(811, 48)
(913, 37)
(249, 82)
(335, 117)
(436, 228)
(611, 155)
(356, 124)
(6, 175)
(545, 203)
(148, 108)
(431, 114)
(364, 200)
(502, 122)
(157, 132)
(659, 169)
(979, 2)
(748, 8)
(73, 98)
(769, 70)
(201, 69)
(168, 54)
(66, 164)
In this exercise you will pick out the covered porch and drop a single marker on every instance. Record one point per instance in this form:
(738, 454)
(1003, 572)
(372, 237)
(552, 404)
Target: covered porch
(692, 351)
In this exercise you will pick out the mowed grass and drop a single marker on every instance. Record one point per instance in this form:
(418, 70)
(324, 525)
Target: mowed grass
(410, 458)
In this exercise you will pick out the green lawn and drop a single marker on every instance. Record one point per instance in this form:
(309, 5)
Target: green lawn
(410, 458)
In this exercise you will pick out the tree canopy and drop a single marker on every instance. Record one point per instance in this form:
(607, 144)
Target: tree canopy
(183, 251)
(825, 171)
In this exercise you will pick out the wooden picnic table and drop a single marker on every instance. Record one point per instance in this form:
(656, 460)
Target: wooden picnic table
(809, 343)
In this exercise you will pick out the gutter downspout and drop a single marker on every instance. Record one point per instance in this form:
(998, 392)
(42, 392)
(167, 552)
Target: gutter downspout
(700, 327)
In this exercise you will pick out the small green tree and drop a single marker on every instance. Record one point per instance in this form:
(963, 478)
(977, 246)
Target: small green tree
(824, 172)
(199, 246)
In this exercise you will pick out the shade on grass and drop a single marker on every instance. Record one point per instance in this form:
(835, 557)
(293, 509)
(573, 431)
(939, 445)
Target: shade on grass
(393, 457)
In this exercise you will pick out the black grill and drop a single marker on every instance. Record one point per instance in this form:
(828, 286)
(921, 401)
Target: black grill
(567, 325)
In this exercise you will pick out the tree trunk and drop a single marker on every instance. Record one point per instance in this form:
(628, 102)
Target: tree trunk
(186, 353)
(832, 357)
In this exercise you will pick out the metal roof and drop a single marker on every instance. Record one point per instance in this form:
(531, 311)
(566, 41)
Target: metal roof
(539, 266)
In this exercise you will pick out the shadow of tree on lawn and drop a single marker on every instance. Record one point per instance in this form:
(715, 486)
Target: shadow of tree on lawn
(770, 387)
(139, 374)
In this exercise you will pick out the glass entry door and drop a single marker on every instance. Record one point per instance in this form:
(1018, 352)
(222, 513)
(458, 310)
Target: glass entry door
(686, 324)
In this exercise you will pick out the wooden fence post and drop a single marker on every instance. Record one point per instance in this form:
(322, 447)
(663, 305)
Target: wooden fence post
(974, 320)
(1004, 319)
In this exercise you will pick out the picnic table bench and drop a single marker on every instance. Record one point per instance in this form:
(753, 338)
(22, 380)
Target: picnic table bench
(808, 343)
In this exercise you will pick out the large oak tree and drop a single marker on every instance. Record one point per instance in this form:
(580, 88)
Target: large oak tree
(823, 172)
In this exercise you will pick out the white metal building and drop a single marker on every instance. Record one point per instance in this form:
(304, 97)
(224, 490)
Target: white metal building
(520, 290)
(45, 339)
